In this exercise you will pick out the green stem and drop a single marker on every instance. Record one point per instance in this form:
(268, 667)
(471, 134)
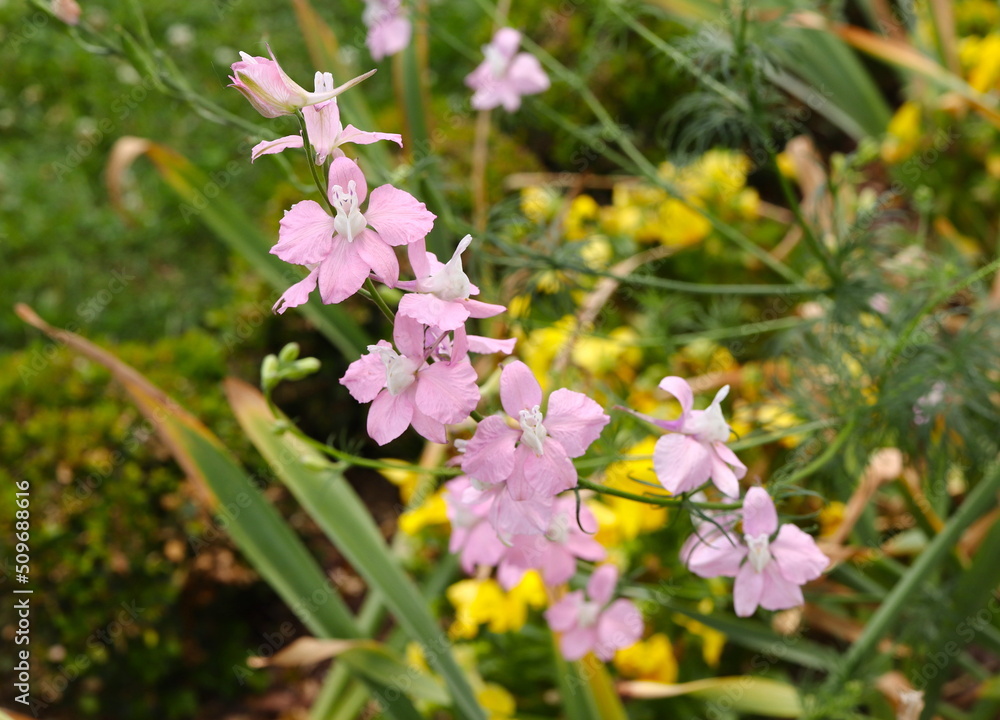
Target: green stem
(832, 449)
(374, 295)
(654, 500)
(311, 160)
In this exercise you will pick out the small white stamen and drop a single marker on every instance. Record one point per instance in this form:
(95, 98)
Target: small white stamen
(400, 371)
(533, 433)
(759, 555)
(450, 282)
(588, 614)
(709, 425)
(349, 221)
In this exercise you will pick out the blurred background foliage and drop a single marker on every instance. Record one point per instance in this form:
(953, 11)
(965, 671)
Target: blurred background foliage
(912, 209)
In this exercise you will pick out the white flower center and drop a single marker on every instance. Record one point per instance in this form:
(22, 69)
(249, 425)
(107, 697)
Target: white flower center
(559, 529)
(450, 282)
(759, 555)
(709, 425)
(496, 60)
(400, 371)
(464, 516)
(349, 221)
(588, 614)
(533, 433)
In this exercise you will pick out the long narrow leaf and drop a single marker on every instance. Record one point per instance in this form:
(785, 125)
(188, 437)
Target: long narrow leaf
(332, 503)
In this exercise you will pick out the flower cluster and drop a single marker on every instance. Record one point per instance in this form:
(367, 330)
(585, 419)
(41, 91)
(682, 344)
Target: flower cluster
(509, 510)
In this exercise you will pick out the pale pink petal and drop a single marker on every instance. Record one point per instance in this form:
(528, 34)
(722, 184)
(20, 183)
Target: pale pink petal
(729, 457)
(585, 547)
(429, 428)
(305, 234)
(618, 627)
(526, 76)
(759, 515)
(681, 463)
(509, 575)
(797, 556)
(577, 642)
(398, 217)
(342, 272)
(431, 310)
(365, 378)
(388, 37)
(388, 416)
(672, 425)
(419, 258)
(557, 566)
(342, 171)
(270, 147)
(489, 454)
(447, 391)
(324, 128)
(459, 344)
(408, 334)
(747, 590)
(779, 593)
(550, 473)
(601, 586)
(380, 257)
(483, 547)
(723, 476)
(484, 346)
(297, 294)
(511, 517)
(359, 137)
(479, 309)
(574, 420)
(519, 390)
(680, 389)
(565, 614)
(506, 41)
(713, 554)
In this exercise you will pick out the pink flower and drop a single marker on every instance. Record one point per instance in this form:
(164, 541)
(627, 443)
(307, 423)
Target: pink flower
(588, 623)
(389, 29)
(341, 251)
(769, 569)
(272, 92)
(696, 450)
(505, 75)
(326, 132)
(533, 457)
(442, 291)
(555, 553)
(404, 389)
(472, 535)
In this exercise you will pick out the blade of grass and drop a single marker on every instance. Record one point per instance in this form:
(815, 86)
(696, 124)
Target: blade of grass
(329, 499)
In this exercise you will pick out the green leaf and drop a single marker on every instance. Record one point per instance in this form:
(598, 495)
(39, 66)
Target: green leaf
(743, 693)
(330, 500)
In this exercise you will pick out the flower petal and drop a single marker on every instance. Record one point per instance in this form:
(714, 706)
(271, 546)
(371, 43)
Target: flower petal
(722, 474)
(398, 217)
(797, 555)
(511, 517)
(380, 257)
(359, 137)
(342, 272)
(618, 627)
(366, 377)
(432, 310)
(601, 586)
(447, 391)
(681, 463)
(550, 473)
(577, 642)
(519, 390)
(574, 420)
(342, 171)
(270, 147)
(713, 554)
(779, 593)
(747, 590)
(759, 515)
(565, 614)
(305, 234)
(525, 75)
(729, 457)
(489, 454)
(680, 389)
(428, 428)
(389, 416)
(484, 345)
(297, 294)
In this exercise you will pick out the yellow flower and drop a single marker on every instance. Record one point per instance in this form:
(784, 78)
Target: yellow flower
(583, 210)
(597, 253)
(776, 416)
(986, 71)
(651, 659)
(484, 601)
(406, 480)
(550, 281)
(679, 225)
(496, 701)
(539, 204)
(830, 518)
(712, 641)
(619, 519)
(415, 657)
(786, 166)
(519, 306)
(903, 134)
(613, 354)
(434, 511)
(542, 346)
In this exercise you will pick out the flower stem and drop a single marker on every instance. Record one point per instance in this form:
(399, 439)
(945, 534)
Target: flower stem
(375, 297)
(657, 500)
(311, 160)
